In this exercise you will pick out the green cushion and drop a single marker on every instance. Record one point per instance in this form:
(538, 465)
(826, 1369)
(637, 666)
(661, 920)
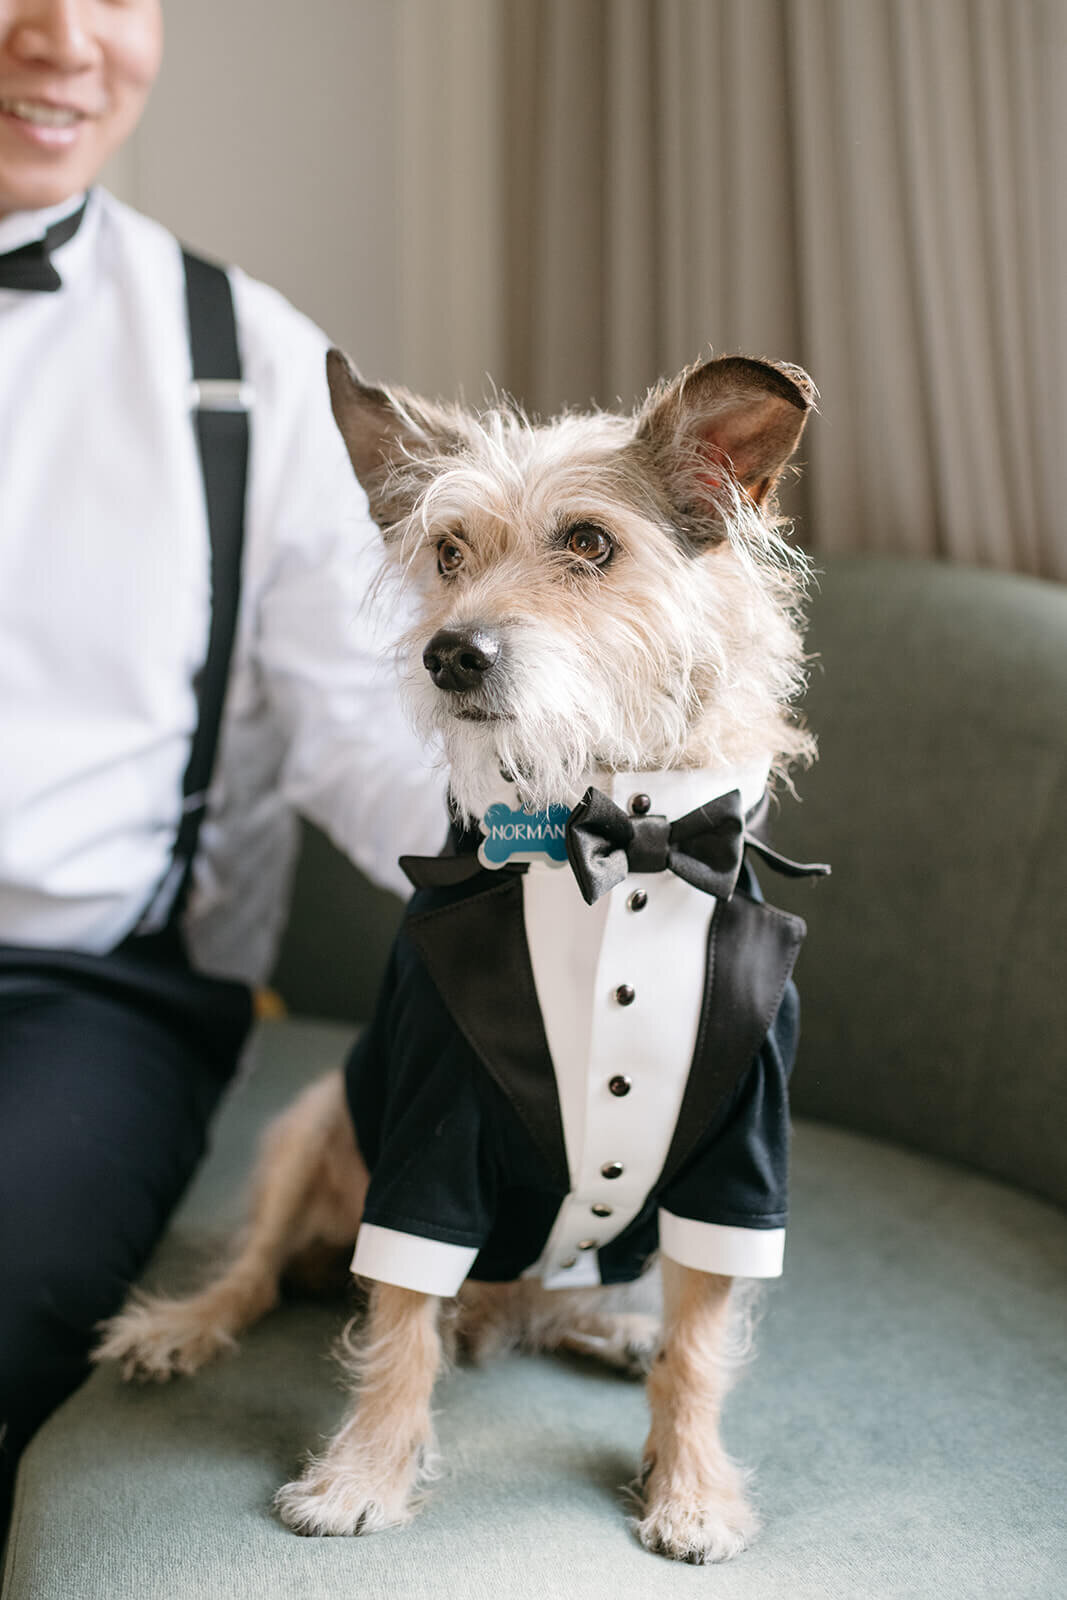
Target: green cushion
(934, 1001)
(905, 1414)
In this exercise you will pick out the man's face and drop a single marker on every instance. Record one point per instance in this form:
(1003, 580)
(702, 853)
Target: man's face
(74, 77)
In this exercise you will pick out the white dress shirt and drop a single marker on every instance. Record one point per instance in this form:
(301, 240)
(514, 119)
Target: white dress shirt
(104, 612)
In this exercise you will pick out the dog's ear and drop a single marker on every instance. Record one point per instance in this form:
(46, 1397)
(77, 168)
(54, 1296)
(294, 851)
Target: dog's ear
(383, 429)
(730, 416)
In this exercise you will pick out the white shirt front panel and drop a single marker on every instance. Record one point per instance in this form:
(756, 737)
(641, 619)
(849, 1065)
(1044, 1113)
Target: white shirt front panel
(104, 614)
(581, 957)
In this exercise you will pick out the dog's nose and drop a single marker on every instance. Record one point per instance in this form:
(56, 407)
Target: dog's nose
(460, 658)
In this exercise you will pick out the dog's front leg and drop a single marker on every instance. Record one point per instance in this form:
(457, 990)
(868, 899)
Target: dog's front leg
(366, 1478)
(695, 1506)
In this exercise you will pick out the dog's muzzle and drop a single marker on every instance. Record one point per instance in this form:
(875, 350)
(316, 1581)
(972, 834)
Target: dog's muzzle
(460, 659)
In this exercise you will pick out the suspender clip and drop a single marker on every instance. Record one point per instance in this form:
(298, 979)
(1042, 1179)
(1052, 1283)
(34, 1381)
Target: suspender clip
(220, 394)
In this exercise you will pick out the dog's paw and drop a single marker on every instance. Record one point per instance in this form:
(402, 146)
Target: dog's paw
(331, 1500)
(697, 1528)
(154, 1339)
(640, 1336)
(626, 1341)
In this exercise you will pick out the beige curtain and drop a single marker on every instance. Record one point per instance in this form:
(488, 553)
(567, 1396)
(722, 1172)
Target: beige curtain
(873, 188)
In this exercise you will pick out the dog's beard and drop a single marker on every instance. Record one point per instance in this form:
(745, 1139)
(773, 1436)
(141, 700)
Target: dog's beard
(548, 719)
(479, 756)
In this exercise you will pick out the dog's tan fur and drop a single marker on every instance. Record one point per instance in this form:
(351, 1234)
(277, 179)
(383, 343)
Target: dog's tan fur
(687, 654)
(693, 656)
(307, 1193)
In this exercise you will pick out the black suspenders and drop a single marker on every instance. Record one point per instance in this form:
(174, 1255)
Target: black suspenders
(220, 405)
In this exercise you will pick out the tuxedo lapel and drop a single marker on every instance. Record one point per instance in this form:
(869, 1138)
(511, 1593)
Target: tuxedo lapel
(475, 950)
(751, 950)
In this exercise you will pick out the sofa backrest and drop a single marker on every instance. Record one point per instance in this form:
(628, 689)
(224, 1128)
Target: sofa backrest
(934, 978)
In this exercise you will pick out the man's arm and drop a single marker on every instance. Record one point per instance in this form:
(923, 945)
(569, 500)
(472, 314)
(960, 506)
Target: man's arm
(323, 635)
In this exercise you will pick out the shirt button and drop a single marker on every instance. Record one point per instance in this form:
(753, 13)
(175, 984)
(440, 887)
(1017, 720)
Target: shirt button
(587, 1244)
(619, 1085)
(638, 900)
(571, 1261)
(640, 805)
(611, 1169)
(600, 1209)
(625, 995)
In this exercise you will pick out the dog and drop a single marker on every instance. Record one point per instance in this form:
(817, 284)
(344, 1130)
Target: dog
(607, 613)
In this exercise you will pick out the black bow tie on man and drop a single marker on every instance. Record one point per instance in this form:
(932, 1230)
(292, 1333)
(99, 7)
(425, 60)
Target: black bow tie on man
(30, 266)
(705, 847)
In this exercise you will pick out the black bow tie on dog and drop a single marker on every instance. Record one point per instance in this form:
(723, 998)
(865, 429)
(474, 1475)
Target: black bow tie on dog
(705, 847)
(30, 266)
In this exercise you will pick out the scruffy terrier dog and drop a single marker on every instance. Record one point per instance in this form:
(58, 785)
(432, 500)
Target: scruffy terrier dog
(569, 1068)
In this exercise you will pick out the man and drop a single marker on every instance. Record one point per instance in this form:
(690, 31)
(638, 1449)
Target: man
(153, 675)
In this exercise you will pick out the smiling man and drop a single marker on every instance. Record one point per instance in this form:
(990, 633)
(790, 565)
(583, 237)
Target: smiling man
(74, 77)
(183, 640)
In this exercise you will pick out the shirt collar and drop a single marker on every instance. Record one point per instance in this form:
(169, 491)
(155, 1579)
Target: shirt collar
(23, 227)
(671, 794)
(674, 794)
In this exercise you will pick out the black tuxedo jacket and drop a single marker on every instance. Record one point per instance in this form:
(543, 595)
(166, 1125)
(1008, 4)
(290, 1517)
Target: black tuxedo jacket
(453, 1094)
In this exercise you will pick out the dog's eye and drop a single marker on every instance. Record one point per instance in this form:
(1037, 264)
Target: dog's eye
(589, 542)
(449, 556)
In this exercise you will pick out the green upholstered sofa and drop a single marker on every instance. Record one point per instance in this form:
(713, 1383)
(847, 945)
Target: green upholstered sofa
(907, 1410)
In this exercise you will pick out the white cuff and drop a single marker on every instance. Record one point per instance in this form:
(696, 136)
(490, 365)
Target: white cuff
(411, 1262)
(713, 1247)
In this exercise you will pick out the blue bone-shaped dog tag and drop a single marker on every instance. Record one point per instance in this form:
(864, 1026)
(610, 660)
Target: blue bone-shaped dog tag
(517, 835)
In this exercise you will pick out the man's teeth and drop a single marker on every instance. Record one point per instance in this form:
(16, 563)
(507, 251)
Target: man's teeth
(43, 116)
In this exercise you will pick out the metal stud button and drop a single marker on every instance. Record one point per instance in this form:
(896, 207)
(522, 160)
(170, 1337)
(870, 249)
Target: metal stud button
(600, 1209)
(611, 1169)
(640, 805)
(638, 900)
(619, 1085)
(625, 995)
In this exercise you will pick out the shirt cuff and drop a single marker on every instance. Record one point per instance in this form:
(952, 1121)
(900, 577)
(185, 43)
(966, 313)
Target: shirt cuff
(410, 1261)
(714, 1247)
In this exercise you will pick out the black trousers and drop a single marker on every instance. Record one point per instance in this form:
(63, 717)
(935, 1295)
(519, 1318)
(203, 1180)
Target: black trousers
(110, 1068)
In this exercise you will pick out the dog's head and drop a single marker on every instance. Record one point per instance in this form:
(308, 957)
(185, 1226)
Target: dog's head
(598, 591)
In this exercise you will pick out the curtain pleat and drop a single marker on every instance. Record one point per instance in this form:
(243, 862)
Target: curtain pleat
(873, 188)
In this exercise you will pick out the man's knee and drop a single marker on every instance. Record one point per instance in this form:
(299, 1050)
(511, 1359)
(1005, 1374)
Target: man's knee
(44, 1356)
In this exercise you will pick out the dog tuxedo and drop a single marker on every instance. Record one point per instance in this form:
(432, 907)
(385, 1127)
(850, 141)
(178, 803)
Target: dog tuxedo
(556, 1089)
